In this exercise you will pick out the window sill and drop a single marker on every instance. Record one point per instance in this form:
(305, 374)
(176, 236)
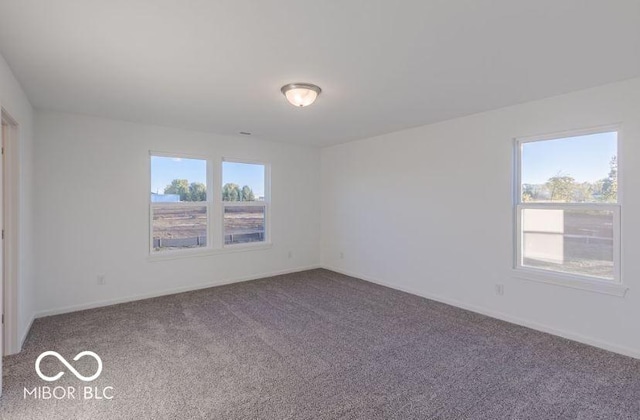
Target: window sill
(575, 282)
(191, 253)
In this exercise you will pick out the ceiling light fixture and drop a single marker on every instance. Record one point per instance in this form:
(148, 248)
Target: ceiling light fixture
(301, 94)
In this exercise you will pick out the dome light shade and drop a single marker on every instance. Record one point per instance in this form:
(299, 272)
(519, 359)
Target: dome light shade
(301, 94)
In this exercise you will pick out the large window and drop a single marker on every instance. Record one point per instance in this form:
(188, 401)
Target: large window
(185, 213)
(567, 205)
(245, 207)
(180, 203)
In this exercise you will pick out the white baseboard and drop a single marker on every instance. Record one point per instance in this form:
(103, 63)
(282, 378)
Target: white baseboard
(453, 302)
(25, 333)
(626, 351)
(108, 302)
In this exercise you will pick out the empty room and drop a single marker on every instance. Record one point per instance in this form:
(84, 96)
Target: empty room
(295, 209)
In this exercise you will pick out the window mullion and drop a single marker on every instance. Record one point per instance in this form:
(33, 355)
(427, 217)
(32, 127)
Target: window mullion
(217, 224)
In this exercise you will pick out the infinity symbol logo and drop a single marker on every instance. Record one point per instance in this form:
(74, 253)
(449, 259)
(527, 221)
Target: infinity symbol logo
(71, 368)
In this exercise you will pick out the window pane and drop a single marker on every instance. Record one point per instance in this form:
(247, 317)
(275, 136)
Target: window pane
(242, 182)
(243, 224)
(570, 241)
(179, 227)
(176, 179)
(580, 169)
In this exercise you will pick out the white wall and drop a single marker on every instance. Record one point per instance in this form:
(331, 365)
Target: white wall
(15, 102)
(429, 210)
(92, 211)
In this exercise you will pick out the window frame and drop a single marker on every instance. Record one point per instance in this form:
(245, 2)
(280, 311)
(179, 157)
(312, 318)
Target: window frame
(266, 203)
(215, 209)
(183, 204)
(614, 286)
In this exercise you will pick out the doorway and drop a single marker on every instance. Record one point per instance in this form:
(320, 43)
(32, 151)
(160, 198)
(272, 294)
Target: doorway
(11, 343)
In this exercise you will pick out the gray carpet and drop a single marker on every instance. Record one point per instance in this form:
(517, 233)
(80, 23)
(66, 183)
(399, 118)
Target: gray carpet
(316, 345)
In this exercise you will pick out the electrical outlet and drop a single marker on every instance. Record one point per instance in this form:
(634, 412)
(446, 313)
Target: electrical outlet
(290, 255)
(102, 279)
(499, 289)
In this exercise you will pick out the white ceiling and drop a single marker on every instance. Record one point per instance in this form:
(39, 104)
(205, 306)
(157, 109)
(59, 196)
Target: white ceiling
(383, 65)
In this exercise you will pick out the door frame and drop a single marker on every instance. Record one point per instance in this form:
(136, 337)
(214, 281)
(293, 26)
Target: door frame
(12, 343)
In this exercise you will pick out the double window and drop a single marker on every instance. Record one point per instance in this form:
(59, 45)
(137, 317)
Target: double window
(188, 211)
(567, 205)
